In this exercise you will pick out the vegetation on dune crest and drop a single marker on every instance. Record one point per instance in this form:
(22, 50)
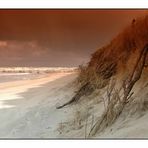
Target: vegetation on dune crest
(126, 54)
(116, 102)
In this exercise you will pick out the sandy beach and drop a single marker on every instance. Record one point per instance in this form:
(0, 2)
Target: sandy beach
(28, 107)
(28, 110)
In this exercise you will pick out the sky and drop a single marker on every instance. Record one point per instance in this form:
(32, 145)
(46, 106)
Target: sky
(58, 37)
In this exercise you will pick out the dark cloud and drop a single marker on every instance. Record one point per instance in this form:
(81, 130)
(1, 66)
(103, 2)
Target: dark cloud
(57, 37)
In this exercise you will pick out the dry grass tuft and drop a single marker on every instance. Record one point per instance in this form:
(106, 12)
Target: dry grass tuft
(117, 101)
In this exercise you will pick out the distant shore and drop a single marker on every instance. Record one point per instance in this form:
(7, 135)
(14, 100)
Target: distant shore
(36, 69)
(8, 74)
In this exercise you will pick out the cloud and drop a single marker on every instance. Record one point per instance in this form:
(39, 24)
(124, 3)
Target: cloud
(3, 43)
(57, 37)
(31, 53)
(21, 49)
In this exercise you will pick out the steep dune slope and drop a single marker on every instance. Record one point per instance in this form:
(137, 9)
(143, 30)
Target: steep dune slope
(117, 73)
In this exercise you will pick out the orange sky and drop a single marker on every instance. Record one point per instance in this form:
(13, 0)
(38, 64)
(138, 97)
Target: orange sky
(57, 37)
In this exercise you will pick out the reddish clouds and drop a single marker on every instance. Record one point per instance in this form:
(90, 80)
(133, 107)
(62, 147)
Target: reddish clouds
(57, 37)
